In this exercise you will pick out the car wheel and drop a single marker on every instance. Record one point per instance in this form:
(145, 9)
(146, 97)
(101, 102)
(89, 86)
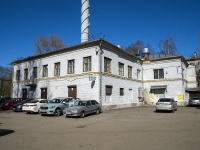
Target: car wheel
(28, 112)
(57, 112)
(97, 111)
(172, 111)
(82, 115)
(42, 114)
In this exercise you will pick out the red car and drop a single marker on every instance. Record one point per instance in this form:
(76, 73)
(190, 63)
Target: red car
(8, 104)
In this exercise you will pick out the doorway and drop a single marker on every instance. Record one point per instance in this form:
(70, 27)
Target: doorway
(43, 93)
(24, 93)
(72, 91)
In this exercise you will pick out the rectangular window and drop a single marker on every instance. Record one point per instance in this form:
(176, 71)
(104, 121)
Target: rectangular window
(18, 75)
(57, 69)
(107, 65)
(70, 66)
(87, 64)
(25, 74)
(121, 91)
(34, 72)
(45, 70)
(108, 90)
(158, 73)
(138, 74)
(121, 69)
(129, 72)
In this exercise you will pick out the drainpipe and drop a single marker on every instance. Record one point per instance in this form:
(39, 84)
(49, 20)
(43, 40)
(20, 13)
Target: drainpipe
(182, 79)
(100, 72)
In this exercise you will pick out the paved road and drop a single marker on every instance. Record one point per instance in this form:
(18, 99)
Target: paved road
(125, 129)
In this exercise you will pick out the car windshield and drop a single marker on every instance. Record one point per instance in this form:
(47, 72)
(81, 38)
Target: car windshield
(67, 100)
(11, 100)
(33, 101)
(165, 100)
(80, 103)
(54, 101)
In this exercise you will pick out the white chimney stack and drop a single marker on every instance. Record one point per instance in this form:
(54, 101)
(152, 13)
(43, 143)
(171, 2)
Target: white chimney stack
(85, 20)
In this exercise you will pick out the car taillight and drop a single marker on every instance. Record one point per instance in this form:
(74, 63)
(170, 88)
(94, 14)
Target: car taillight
(33, 105)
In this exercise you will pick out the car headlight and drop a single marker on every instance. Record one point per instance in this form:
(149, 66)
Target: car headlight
(75, 111)
(52, 106)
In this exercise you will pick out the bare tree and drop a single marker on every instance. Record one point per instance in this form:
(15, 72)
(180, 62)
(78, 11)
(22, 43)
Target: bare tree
(47, 44)
(167, 46)
(135, 48)
(5, 81)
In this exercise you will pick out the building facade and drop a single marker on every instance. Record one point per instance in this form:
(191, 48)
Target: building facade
(102, 71)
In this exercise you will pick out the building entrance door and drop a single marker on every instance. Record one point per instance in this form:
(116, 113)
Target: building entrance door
(43, 93)
(24, 93)
(72, 91)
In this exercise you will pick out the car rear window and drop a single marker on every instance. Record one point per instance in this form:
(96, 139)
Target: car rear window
(195, 98)
(165, 100)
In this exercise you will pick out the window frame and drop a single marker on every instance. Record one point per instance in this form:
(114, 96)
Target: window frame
(87, 64)
(34, 72)
(17, 75)
(70, 67)
(108, 90)
(158, 73)
(121, 69)
(130, 72)
(121, 91)
(45, 71)
(107, 65)
(138, 74)
(26, 74)
(57, 69)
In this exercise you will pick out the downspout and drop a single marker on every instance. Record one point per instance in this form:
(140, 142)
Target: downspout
(182, 78)
(100, 72)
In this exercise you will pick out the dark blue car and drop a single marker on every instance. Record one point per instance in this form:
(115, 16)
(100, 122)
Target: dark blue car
(18, 107)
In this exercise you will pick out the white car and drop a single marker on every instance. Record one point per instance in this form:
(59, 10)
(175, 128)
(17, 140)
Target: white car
(33, 106)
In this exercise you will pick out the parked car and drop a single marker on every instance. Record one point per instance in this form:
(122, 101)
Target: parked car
(8, 104)
(166, 104)
(4, 99)
(56, 106)
(82, 108)
(194, 101)
(18, 107)
(33, 106)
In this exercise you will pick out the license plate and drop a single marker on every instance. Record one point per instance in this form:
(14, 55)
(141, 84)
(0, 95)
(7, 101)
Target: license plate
(68, 113)
(42, 110)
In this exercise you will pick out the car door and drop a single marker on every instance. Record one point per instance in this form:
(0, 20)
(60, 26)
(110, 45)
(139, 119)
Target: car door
(94, 106)
(88, 107)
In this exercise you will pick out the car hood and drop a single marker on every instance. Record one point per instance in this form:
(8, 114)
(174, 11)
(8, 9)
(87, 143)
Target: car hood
(75, 107)
(51, 104)
(17, 105)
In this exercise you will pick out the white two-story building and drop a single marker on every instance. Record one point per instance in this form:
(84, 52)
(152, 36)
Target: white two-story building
(102, 71)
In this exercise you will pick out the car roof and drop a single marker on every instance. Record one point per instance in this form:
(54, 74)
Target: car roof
(62, 97)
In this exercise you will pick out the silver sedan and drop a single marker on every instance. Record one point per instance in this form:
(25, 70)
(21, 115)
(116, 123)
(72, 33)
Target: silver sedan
(166, 104)
(82, 108)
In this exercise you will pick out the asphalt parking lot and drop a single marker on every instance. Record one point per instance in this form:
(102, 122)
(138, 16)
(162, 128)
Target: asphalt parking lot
(138, 128)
